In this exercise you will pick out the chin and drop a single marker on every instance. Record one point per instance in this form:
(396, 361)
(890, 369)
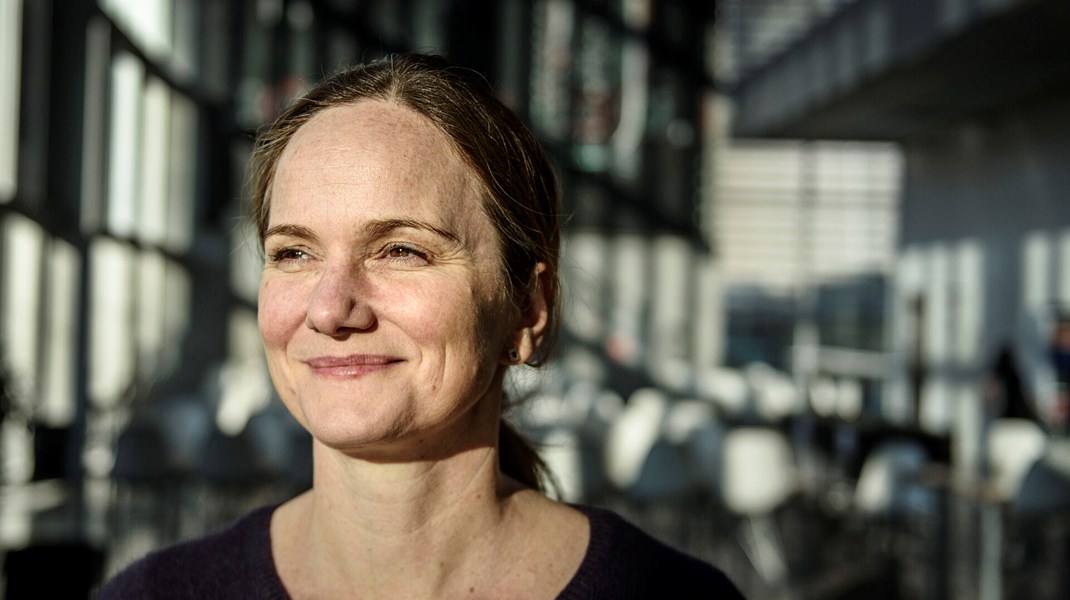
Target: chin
(348, 431)
(384, 447)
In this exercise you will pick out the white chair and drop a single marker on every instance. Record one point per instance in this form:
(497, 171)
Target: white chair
(1045, 489)
(774, 392)
(759, 476)
(759, 470)
(633, 434)
(824, 394)
(684, 417)
(693, 425)
(727, 388)
(642, 461)
(888, 483)
(1013, 446)
(849, 398)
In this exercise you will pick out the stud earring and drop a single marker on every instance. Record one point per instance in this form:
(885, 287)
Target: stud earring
(514, 356)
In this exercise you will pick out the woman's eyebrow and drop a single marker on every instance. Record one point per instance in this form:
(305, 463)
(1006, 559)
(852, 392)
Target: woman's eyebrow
(381, 227)
(373, 229)
(298, 231)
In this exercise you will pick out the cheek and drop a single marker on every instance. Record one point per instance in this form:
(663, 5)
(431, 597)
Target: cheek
(280, 309)
(430, 317)
(440, 316)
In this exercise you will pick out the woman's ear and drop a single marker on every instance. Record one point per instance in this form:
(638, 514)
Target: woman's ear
(533, 319)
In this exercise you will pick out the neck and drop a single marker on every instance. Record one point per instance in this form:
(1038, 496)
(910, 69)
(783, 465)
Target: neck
(397, 499)
(415, 528)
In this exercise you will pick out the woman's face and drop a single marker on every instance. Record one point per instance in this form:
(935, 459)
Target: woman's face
(382, 304)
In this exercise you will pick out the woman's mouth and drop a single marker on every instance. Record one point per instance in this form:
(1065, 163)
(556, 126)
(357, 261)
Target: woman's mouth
(349, 366)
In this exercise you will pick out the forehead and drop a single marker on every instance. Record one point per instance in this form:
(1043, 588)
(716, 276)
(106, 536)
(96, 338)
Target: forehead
(379, 149)
(368, 124)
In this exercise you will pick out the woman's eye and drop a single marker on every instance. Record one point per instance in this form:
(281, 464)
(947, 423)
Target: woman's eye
(403, 252)
(284, 255)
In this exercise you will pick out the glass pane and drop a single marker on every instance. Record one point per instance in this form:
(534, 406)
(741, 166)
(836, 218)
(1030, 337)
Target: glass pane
(670, 310)
(708, 313)
(95, 117)
(837, 202)
(255, 101)
(630, 298)
(127, 74)
(428, 19)
(176, 316)
(182, 175)
(154, 154)
(554, 22)
(151, 303)
(1063, 295)
(968, 315)
(10, 47)
(634, 107)
(302, 55)
(1036, 271)
(216, 48)
(147, 22)
(596, 100)
(187, 35)
(60, 368)
(23, 243)
(111, 324)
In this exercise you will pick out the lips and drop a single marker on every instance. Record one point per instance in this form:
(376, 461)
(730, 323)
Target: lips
(353, 365)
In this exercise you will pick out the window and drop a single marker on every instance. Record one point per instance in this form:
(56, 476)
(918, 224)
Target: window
(23, 247)
(58, 391)
(124, 158)
(111, 320)
(10, 46)
(147, 22)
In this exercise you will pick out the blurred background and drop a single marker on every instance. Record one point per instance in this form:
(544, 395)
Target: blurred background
(816, 264)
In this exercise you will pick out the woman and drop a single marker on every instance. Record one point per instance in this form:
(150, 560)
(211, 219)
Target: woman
(410, 231)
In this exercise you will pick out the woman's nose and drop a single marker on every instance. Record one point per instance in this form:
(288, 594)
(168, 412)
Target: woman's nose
(339, 303)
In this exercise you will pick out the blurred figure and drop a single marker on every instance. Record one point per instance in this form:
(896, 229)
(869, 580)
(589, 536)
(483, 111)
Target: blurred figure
(1005, 393)
(1059, 353)
(1005, 397)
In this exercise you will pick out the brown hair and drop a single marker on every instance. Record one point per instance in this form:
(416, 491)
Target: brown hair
(521, 197)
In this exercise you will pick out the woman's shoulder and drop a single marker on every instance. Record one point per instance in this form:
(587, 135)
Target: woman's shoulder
(623, 561)
(235, 559)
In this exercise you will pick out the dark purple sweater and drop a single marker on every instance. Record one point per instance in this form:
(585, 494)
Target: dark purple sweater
(621, 562)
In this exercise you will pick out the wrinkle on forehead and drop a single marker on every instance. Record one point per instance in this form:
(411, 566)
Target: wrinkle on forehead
(361, 136)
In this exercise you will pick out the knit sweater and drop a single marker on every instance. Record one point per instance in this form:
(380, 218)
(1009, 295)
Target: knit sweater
(622, 562)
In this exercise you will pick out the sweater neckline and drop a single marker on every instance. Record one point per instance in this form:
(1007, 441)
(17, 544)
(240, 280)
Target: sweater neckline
(263, 560)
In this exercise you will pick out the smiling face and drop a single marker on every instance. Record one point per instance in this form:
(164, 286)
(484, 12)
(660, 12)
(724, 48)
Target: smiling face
(383, 309)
